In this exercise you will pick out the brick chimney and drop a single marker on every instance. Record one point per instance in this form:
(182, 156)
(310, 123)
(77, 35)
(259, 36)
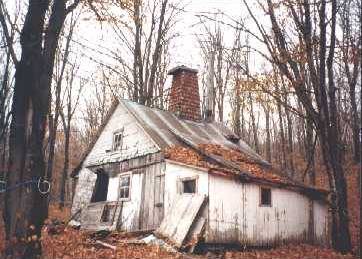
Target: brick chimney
(184, 97)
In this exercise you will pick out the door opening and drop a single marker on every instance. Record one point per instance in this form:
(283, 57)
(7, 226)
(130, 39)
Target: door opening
(101, 187)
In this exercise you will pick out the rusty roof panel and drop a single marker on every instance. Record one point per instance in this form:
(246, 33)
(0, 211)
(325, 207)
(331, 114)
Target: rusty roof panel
(162, 127)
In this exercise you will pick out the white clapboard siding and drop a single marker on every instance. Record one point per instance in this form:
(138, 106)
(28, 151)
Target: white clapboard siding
(135, 141)
(84, 189)
(235, 215)
(174, 174)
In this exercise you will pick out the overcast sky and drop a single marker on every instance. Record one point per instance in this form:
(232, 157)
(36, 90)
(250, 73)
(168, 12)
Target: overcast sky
(184, 50)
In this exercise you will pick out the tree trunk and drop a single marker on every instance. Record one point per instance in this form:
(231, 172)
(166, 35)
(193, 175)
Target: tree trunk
(25, 207)
(268, 138)
(355, 127)
(290, 140)
(254, 127)
(65, 168)
(282, 137)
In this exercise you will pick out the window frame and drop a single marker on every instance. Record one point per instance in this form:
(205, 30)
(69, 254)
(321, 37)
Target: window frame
(116, 133)
(129, 175)
(185, 179)
(261, 188)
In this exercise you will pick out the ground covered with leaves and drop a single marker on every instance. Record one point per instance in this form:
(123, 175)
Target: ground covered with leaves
(76, 244)
(64, 242)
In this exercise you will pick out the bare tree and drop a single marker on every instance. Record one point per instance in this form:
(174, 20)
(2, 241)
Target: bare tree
(5, 98)
(61, 62)
(145, 44)
(218, 59)
(322, 109)
(351, 50)
(26, 208)
(67, 113)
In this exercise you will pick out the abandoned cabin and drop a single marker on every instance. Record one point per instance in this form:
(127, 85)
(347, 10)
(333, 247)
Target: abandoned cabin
(186, 177)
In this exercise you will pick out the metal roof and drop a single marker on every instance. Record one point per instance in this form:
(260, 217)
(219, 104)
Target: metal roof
(163, 127)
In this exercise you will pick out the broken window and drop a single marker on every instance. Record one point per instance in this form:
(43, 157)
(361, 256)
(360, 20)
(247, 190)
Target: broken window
(117, 140)
(124, 186)
(189, 186)
(101, 187)
(265, 196)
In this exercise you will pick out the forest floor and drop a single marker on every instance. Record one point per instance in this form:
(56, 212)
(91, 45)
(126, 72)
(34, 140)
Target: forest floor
(66, 242)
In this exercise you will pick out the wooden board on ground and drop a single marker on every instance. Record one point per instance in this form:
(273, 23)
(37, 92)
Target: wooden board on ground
(177, 223)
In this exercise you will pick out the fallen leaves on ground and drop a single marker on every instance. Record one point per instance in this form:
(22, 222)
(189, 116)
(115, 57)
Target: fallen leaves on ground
(73, 243)
(292, 252)
(67, 243)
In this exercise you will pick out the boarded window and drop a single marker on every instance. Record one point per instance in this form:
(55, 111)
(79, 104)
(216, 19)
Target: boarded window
(117, 140)
(189, 186)
(124, 186)
(101, 187)
(265, 197)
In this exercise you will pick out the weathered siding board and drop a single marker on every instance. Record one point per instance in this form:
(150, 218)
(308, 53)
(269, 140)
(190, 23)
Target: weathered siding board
(226, 211)
(152, 197)
(84, 189)
(182, 215)
(235, 215)
(113, 186)
(129, 218)
(174, 173)
(135, 141)
(321, 222)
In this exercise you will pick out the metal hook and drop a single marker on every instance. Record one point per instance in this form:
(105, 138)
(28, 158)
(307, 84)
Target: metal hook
(47, 190)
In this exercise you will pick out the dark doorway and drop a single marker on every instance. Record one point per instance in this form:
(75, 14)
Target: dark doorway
(101, 187)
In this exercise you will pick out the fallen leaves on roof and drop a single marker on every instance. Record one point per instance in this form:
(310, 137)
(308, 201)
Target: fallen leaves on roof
(244, 163)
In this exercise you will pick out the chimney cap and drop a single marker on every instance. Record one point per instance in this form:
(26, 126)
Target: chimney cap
(178, 69)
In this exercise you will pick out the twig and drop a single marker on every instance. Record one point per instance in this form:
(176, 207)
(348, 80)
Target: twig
(106, 245)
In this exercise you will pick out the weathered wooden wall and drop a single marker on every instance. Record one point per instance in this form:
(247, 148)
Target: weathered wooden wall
(84, 189)
(144, 209)
(174, 174)
(135, 141)
(234, 215)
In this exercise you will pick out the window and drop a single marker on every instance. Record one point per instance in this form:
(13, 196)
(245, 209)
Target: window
(101, 187)
(265, 197)
(189, 186)
(117, 140)
(124, 186)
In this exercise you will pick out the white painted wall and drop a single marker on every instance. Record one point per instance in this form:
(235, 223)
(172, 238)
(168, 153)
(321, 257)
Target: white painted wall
(84, 189)
(235, 214)
(135, 141)
(131, 207)
(321, 222)
(113, 185)
(175, 172)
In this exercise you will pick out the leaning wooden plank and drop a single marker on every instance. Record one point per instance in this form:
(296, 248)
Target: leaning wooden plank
(195, 234)
(132, 242)
(106, 245)
(177, 223)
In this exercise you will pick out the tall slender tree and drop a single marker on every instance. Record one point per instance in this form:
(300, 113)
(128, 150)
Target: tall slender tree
(25, 207)
(316, 28)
